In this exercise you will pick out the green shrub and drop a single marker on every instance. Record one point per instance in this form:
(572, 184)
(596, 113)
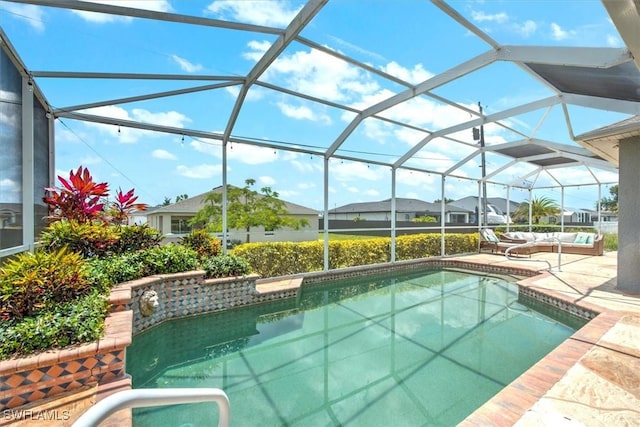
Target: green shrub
(138, 237)
(99, 239)
(203, 243)
(167, 259)
(226, 266)
(611, 241)
(88, 239)
(78, 321)
(283, 258)
(116, 269)
(164, 259)
(31, 281)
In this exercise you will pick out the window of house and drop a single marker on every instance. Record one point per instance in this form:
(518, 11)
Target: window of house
(180, 225)
(458, 218)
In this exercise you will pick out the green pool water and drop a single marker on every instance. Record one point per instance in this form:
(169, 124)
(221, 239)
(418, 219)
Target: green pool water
(414, 349)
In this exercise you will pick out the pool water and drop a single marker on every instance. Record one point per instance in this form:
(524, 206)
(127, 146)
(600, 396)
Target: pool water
(414, 349)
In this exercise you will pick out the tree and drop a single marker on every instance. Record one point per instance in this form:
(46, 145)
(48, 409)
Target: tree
(610, 203)
(181, 197)
(540, 207)
(446, 200)
(246, 208)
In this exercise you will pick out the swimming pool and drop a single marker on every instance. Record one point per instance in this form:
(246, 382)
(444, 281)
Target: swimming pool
(419, 348)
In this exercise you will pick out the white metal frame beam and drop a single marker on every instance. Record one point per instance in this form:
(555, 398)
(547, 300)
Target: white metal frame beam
(456, 72)
(88, 6)
(521, 109)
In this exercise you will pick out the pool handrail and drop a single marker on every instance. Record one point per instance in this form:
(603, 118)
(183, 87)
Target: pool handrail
(527, 244)
(142, 398)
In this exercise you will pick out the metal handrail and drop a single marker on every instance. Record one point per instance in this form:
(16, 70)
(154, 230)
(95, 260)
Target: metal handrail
(142, 398)
(528, 244)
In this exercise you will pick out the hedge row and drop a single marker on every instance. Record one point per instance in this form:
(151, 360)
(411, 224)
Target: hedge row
(283, 258)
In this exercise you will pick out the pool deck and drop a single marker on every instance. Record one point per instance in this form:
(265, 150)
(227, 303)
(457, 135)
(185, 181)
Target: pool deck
(592, 379)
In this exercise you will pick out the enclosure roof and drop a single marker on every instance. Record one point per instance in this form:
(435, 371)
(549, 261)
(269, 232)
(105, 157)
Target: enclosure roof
(414, 119)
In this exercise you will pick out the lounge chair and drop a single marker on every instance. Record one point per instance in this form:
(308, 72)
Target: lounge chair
(489, 240)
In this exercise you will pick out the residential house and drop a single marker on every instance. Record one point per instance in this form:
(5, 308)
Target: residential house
(173, 222)
(406, 210)
(496, 208)
(582, 216)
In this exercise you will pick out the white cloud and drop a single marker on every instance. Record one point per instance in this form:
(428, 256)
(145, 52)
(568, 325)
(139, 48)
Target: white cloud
(266, 180)
(103, 18)
(7, 184)
(316, 74)
(355, 48)
(131, 135)
(255, 93)
(287, 194)
(30, 14)
(416, 179)
(90, 160)
(415, 75)
(613, 41)
(302, 112)
(169, 118)
(212, 148)
(371, 192)
(480, 16)
(163, 155)
(357, 171)
(250, 155)
(305, 166)
(274, 13)
(257, 49)
(185, 65)
(306, 185)
(202, 171)
(526, 28)
(558, 33)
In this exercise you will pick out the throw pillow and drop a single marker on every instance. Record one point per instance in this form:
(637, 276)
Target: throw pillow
(581, 238)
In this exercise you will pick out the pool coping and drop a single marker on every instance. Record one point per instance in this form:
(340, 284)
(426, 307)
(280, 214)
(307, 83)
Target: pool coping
(510, 404)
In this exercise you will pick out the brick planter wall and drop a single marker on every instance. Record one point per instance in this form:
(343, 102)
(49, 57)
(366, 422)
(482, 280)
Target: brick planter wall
(29, 379)
(26, 380)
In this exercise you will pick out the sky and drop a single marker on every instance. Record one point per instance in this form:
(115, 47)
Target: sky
(408, 39)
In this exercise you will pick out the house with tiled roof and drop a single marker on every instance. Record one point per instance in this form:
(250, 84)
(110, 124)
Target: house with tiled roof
(406, 210)
(173, 222)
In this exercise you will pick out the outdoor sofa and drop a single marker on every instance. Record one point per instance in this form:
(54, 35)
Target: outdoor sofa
(571, 243)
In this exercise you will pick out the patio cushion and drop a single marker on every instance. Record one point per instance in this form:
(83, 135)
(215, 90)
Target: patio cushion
(581, 238)
(566, 237)
(489, 235)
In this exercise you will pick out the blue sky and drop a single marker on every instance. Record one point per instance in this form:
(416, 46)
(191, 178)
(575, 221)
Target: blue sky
(410, 39)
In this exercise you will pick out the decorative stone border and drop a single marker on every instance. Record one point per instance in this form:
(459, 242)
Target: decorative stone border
(28, 379)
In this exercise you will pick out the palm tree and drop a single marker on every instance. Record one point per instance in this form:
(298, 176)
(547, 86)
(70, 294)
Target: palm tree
(540, 207)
